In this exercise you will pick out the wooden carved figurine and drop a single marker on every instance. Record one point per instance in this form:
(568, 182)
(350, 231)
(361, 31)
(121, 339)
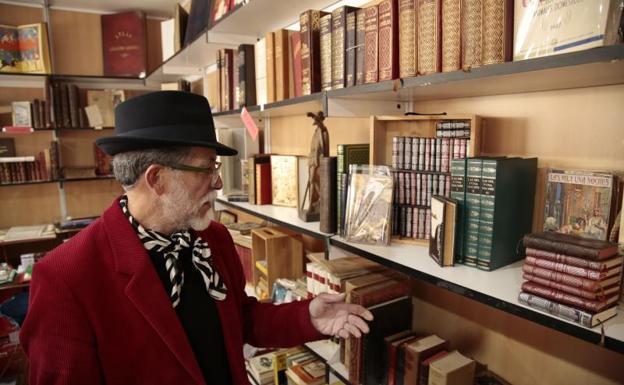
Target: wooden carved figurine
(319, 147)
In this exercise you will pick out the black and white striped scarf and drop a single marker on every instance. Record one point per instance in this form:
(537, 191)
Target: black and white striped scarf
(170, 248)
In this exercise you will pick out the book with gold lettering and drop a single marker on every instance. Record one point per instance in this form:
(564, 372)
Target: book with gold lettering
(388, 40)
(310, 22)
(429, 39)
(360, 18)
(407, 38)
(339, 44)
(371, 45)
(326, 52)
(124, 44)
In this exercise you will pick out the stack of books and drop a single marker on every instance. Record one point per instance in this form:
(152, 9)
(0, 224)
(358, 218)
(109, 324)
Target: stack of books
(330, 276)
(573, 278)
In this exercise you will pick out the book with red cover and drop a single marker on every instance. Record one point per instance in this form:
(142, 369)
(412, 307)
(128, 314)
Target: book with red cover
(263, 184)
(295, 56)
(569, 280)
(601, 294)
(603, 265)
(573, 270)
(310, 22)
(388, 40)
(360, 18)
(393, 344)
(124, 44)
(371, 45)
(569, 299)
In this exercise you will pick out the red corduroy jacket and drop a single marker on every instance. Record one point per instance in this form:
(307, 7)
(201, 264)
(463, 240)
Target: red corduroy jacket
(98, 313)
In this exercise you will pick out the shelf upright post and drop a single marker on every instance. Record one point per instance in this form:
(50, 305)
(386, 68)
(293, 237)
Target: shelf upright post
(46, 19)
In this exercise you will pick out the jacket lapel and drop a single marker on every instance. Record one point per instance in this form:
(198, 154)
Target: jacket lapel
(144, 289)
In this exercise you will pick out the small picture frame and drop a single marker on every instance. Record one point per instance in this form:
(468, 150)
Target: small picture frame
(226, 217)
(21, 114)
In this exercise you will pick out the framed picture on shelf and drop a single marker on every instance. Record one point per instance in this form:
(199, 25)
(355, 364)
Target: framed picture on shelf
(21, 114)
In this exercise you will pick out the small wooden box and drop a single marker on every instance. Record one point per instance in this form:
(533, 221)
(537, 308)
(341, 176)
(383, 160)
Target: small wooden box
(279, 251)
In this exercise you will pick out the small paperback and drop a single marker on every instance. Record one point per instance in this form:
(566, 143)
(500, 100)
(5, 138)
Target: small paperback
(442, 237)
(369, 203)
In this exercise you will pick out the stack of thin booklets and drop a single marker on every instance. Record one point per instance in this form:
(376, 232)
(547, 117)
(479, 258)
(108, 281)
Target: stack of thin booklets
(573, 278)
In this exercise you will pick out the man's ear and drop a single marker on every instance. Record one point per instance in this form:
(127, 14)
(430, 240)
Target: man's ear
(153, 177)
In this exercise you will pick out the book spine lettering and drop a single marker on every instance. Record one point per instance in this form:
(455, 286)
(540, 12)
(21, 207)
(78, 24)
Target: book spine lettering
(371, 45)
(326, 52)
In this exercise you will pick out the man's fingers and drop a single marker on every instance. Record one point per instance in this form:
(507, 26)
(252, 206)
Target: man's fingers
(332, 298)
(360, 311)
(343, 333)
(354, 331)
(358, 322)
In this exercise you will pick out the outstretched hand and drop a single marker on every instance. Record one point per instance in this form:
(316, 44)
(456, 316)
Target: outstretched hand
(330, 315)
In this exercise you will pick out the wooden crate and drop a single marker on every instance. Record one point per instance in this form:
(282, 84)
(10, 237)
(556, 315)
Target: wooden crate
(384, 128)
(280, 250)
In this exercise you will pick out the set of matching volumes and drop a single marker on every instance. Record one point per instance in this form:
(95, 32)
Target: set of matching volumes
(495, 198)
(330, 276)
(570, 277)
(236, 82)
(427, 154)
(40, 167)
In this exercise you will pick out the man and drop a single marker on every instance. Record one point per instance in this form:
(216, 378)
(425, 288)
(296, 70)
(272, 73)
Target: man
(153, 292)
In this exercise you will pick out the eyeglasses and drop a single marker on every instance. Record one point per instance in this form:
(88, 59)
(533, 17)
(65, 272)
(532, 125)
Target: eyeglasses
(212, 170)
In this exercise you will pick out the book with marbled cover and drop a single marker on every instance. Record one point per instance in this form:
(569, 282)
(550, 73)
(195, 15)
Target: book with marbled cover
(429, 39)
(407, 38)
(471, 16)
(371, 45)
(451, 37)
(497, 31)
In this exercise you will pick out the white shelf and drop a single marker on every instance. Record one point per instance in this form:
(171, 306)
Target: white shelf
(502, 286)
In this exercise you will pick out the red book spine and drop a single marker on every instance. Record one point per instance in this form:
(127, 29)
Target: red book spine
(599, 295)
(566, 279)
(371, 45)
(124, 44)
(388, 40)
(592, 306)
(567, 269)
(566, 259)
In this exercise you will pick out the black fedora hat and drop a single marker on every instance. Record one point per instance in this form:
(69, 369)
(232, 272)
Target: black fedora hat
(163, 119)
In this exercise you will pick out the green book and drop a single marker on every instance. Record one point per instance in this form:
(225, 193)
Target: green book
(346, 155)
(472, 211)
(506, 210)
(458, 192)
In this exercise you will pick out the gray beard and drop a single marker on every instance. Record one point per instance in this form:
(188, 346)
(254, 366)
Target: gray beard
(181, 212)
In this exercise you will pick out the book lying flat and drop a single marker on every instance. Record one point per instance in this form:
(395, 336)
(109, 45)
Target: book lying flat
(568, 313)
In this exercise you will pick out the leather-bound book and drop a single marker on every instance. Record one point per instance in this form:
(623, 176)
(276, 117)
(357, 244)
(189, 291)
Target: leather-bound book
(186, 86)
(310, 22)
(360, 18)
(371, 45)
(471, 27)
(339, 45)
(407, 38)
(388, 40)
(328, 201)
(567, 244)
(124, 44)
(246, 75)
(497, 31)
(74, 105)
(569, 299)
(350, 50)
(65, 114)
(282, 56)
(228, 79)
(326, 52)
(429, 39)
(270, 66)
(451, 36)
(295, 56)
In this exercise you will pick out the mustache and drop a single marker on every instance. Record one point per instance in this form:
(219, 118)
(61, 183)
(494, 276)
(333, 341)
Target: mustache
(210, 197)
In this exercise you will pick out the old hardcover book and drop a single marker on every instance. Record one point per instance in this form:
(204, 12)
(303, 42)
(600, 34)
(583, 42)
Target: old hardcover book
(371, 45)
(574, 261)
(391, 344)
(451, 36)
(389, 318)
(328, 194)
(197, 19)
(360, 18)
(219, 9)
(579, 203)
(7, 147)
(472, 211)
(498, 27)
(284, 180)
(471, 31)
(452, 369)
(429, 36)
(326, 52)
(102, 161)
(418, 351)
(186, 85)
(602, 292)
(442, 237)
(388, 40)
(573, 270)
(181, 14)
(568, 244)
(74, 105)
(282, 58)
(65, 112)
(407, 38)
(458, 193)
(24, 48)
(569, 299)
(310, 22)
(501, 223)
(350, 49)
(339, 45)
(227, 80)
(572, 281)
(260, 71)
(569, 313)
(270, 66)
(124, 44)
(246, 75)
(295, 57)
(263, 183)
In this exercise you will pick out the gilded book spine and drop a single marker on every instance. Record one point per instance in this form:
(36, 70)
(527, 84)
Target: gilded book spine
(360, 18)
(270, 66)
(429, 40)
(371, 45)
(388, 40)
(350, 50)
(471, 26)
(451, 38)
(497, 31)
(282, 56)
(310, 22)
(326, 52)
(338, 21)
(407, 38)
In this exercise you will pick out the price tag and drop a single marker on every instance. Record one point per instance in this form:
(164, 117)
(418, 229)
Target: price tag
(249, 123)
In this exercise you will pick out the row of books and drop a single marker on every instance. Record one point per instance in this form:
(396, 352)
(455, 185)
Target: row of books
(40, 167)
(571, 277)
(417, 189)
(411, 222)
(295, 366)
(427, 154)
